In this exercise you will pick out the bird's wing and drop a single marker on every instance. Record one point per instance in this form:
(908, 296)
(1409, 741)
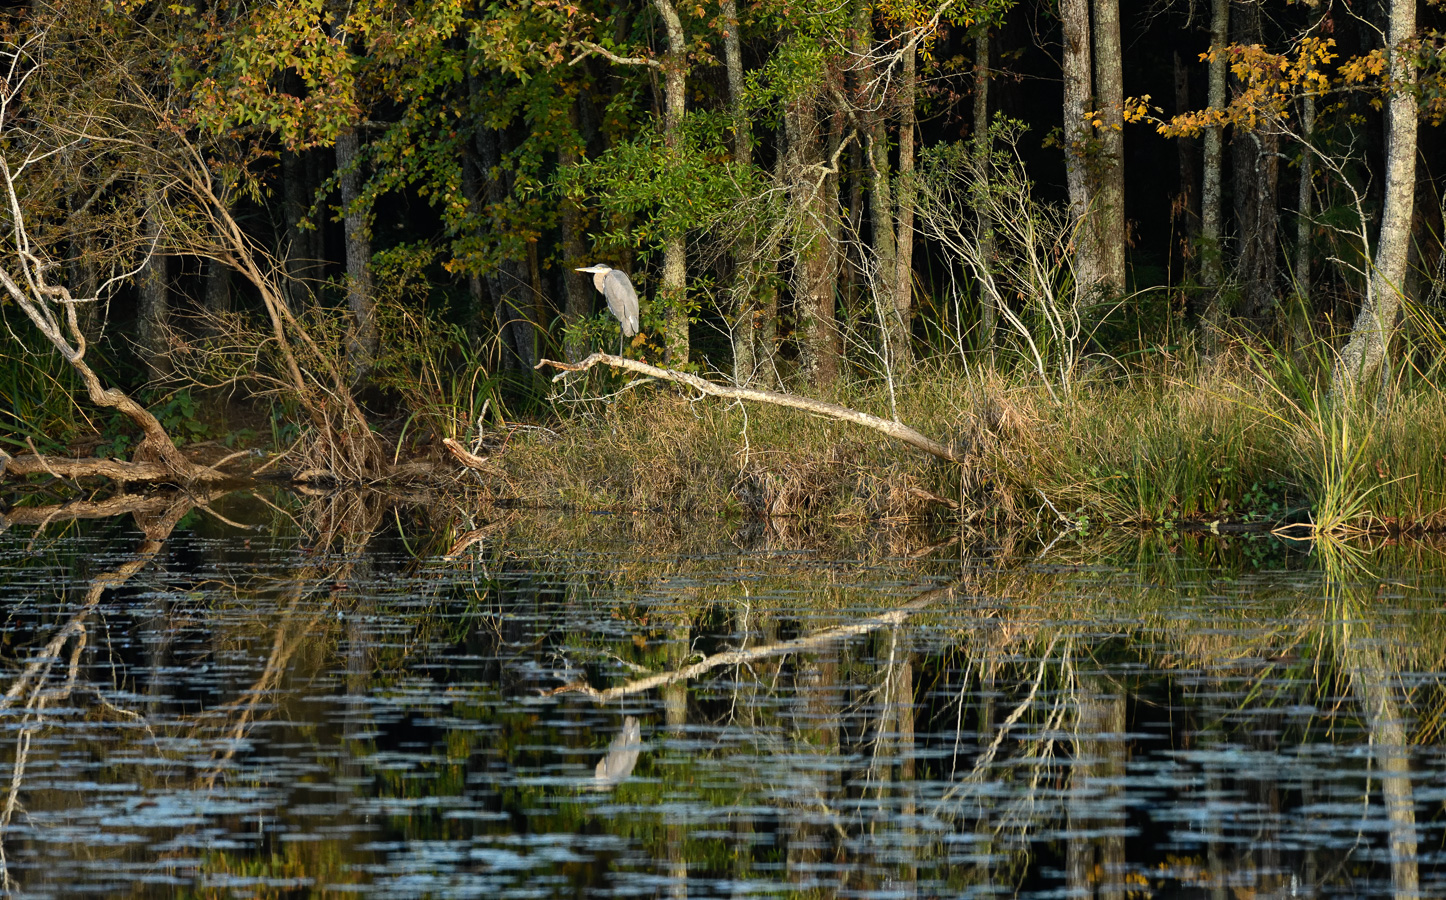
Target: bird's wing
(623, 301)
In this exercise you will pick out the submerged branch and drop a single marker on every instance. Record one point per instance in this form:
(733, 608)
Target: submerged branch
(894, 430)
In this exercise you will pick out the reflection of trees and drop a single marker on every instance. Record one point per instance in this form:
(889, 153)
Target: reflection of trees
(1349, 591)
(972, 736)
(205, 743)
(38, 685)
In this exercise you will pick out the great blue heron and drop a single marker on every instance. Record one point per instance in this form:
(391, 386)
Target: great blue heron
(622, 299)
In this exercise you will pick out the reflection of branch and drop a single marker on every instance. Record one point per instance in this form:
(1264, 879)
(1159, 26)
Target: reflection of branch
(29, 690)
(740, 657)
(125, 504)
(793, 401)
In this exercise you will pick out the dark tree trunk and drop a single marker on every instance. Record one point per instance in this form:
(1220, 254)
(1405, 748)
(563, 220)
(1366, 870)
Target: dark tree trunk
(578, 286)
(154, 309)
(508, 283)
(1185, 213)
(361, 350)
(1255, 155)
(295, 197)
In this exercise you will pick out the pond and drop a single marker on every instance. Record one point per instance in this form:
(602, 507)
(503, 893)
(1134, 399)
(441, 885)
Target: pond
(278, 695)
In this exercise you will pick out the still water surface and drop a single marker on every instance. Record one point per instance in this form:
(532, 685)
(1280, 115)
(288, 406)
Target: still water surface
(296, 697)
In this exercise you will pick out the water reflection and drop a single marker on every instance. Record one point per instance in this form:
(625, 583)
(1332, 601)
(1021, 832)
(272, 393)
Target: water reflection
(622, 756)
(262, 695)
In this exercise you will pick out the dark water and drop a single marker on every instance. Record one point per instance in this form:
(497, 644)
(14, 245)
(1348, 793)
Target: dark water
(320, 703)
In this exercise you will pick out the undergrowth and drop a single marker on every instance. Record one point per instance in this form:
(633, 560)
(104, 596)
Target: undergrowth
(1248, 437)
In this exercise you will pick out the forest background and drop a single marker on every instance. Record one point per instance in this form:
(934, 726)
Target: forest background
(1141, 262)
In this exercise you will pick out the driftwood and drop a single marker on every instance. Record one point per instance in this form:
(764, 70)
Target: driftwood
(894, 616)
(894, 430)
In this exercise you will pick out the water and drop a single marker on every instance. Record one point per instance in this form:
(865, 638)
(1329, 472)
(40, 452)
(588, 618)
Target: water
(290, 696)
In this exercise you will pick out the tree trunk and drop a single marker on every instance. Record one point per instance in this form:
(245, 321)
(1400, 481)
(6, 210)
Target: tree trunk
(881, 222)
(1363, 355)
(1257, 211)
(1110, 97)
(733, 61)
(154, 310)
(1210, 220)
(578, 287)
(1303, 204)
(815, 204)
(745, 262)
(674, 288)
(1255, 154)
(508, 282)
(217, 296)
(901, 334)
(361, 347)
(1079, 138)
(988, 301)
(1185, 216)
(295, 201)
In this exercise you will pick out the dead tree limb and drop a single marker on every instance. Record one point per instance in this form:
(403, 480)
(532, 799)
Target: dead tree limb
(24, 279)
(895, 430)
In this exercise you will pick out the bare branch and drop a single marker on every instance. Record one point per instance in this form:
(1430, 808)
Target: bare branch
(894, 430)
(589, 48)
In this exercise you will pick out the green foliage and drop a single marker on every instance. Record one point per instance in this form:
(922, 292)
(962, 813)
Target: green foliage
(237, 58)
(180, 414)
(648, 190)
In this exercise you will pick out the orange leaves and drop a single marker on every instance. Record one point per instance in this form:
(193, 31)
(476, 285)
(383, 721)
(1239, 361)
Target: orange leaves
(1265, 85)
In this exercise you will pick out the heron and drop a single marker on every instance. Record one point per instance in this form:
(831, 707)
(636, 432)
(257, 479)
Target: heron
(622, 299)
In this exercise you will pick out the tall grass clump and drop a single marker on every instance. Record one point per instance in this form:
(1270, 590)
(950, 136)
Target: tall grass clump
(440, 374)
(1329, 437)
(37, 399)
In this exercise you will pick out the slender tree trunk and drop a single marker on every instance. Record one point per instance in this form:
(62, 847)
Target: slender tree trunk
(881, 222)
(361, 348)
(1256, 157)
(1362, 357)
(903, 281)
(154, 311)
(988, 301)
(674, 289)
(766, 348)
(84, 281)
(746, 263)
(1079, 137)
(1257, 210)
(733, 61)
(1303, 204)
(1211, 251)
(1110, 96)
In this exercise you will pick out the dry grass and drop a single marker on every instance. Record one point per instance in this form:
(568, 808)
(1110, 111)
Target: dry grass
(1181, 442)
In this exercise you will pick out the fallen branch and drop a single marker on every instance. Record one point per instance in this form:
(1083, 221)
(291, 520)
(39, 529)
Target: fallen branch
(894, 616)
(793, 401)
(114, 469)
